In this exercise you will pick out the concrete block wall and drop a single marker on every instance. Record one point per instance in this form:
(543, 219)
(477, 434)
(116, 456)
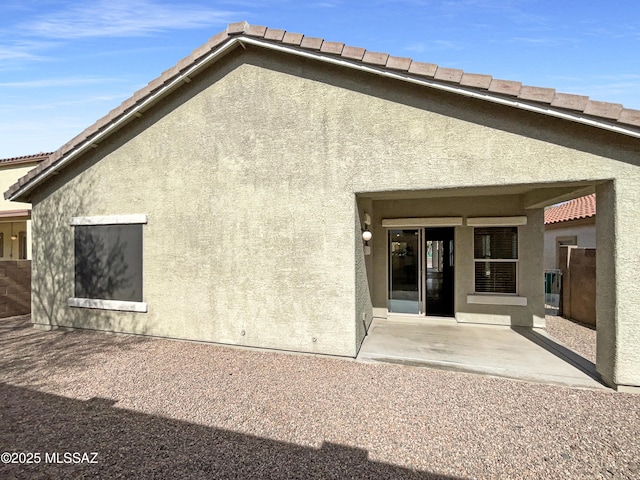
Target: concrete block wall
(15, 288)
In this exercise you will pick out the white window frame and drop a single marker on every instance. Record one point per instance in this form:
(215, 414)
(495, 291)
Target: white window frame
(490, 298)
(101, 304)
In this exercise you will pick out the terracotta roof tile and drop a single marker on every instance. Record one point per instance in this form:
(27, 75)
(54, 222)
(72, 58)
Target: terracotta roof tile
(537, 94)
(292, 38)
(274, 34)
(375, 58)
(311, 43)
(256, 31)
(505, 87)
(423, 69)
(355, 53)
(398, 63)
(237, 27)
(611, 113)
(448, 74)
(603, 109)
(631, 117)
(572, 102)
(476, 80)
(583, 207)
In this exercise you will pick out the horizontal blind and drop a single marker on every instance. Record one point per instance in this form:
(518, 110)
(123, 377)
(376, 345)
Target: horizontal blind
(495, 277)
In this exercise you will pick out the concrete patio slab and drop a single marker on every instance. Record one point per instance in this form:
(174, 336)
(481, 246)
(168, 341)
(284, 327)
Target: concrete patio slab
(528, 354)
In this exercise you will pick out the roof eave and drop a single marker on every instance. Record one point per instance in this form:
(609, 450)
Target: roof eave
(135, 112)
(233, 41)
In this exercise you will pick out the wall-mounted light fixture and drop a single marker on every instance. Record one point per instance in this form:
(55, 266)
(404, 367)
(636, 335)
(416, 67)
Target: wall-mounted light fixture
(366, 233)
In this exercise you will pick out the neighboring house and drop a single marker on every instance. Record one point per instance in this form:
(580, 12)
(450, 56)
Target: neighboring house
(569, 223)
(279, 191)
(570, 248)
(15, 239)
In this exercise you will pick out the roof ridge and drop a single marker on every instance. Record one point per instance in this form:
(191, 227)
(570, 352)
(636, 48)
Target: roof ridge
(612, 113)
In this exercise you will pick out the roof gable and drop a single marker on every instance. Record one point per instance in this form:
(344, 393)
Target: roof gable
(546, 101)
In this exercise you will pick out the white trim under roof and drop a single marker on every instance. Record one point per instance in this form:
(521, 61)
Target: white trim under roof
(109, 220)
(422, 222)
(496, 221)
(242, 39)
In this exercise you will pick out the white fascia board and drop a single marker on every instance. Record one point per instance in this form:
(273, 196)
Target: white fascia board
(422, 222)
(109, 219)
(497, 221)
(241, 39)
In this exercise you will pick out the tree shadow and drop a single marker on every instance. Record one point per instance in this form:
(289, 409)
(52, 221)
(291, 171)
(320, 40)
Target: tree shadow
(28, 356)
(130, 444)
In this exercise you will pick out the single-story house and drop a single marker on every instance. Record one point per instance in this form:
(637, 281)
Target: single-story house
(15, 239)
(279, 191)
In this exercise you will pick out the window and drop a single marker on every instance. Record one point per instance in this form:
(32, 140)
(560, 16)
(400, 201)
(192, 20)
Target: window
(496, 259)
(108, 262)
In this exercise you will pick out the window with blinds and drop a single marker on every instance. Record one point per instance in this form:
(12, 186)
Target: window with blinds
(496, 259)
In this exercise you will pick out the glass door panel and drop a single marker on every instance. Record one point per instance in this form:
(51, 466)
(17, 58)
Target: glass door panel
(439, 283)
(404, 271)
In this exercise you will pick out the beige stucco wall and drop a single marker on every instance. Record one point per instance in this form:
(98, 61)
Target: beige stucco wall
(249, 178)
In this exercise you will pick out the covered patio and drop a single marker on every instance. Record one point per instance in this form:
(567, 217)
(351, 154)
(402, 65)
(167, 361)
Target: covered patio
(527, 354)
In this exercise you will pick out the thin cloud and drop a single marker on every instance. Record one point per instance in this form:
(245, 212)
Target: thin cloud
(56, 82)
(23, 50)
(542, 41)
(124, 18)
(422, 47)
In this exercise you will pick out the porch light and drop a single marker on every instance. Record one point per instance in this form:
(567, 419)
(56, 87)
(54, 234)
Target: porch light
(366, 233)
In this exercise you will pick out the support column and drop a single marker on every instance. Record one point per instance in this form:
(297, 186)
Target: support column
(618, 284)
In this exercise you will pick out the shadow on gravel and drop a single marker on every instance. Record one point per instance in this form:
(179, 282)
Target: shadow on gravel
(29, 354)
(562, 352)
(135, 445)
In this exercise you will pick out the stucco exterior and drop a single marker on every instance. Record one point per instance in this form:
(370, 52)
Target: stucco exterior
(256, 177)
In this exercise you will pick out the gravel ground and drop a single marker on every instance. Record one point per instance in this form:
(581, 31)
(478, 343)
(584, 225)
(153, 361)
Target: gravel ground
(580, 338)
(155, 408)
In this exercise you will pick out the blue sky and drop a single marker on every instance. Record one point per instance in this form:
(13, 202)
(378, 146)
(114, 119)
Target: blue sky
(64, 64)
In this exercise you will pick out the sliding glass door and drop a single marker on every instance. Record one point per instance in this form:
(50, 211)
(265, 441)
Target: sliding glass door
(421, 267)
(404, 271)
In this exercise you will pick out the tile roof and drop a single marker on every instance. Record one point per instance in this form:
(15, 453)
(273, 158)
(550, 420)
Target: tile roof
(583, 207)
(37, 157)
(552, 102)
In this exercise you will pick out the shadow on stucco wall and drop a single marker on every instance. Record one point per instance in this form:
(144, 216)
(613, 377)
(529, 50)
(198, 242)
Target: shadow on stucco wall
(102, 267)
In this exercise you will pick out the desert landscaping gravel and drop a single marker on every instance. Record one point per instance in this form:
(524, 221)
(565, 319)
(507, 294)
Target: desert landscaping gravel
(165, 409)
